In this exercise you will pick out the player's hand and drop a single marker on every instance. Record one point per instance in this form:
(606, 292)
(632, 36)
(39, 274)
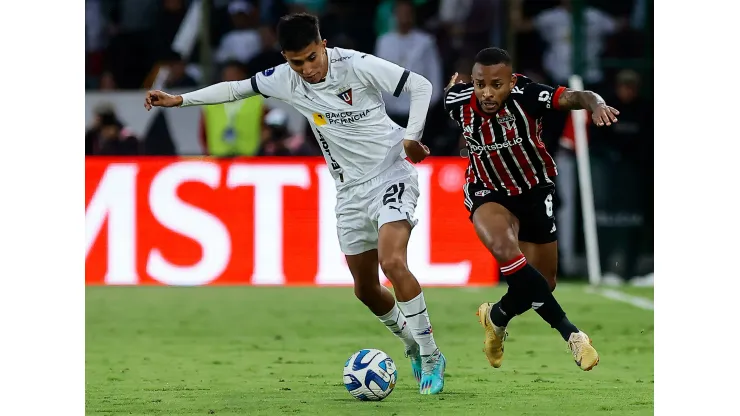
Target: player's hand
(415, 151)
(605, 115)
(156, 98)
(452, 82)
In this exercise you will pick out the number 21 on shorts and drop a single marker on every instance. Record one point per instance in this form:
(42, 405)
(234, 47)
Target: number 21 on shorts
(390, 193)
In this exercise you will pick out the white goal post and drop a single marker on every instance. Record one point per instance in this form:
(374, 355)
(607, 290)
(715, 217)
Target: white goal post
(584, 180)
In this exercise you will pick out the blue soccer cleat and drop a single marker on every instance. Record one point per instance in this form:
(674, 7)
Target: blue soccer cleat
(433, 373)
(415, 356)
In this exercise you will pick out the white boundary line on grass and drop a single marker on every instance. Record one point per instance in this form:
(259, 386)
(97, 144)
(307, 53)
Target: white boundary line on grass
(636, 301)
(616, 295)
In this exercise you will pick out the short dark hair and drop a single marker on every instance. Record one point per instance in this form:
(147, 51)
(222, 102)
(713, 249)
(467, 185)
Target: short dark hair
(296, 31)
(493, 56)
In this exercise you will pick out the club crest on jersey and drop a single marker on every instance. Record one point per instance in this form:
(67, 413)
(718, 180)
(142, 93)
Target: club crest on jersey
(346, 96)
(267, 72)
(506, 120)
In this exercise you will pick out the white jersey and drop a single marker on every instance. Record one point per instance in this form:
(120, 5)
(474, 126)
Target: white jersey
(346, 111)
(361, 145)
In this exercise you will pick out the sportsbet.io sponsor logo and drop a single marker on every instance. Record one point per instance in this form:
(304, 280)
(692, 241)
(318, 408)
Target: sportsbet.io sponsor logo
(322, 119)
(494, 146)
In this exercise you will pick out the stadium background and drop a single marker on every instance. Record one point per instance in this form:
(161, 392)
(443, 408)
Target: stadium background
(179, 45)
(177, 198)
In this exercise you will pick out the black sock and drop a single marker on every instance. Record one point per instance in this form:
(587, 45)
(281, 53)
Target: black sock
(528, 283)
(513, 303)
(498, 314)
(565, 327)
(502, 311)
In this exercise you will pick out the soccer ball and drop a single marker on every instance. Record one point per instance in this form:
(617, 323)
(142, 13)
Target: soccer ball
(370, 375)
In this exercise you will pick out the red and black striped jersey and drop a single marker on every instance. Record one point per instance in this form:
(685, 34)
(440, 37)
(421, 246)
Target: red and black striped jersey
(505, 149)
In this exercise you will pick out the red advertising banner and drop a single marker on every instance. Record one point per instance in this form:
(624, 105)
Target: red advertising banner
(263, 221)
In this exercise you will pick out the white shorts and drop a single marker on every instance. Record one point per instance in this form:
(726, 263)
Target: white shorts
(364, 208)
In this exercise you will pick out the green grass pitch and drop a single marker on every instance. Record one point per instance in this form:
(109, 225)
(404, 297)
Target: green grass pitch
(272, 351)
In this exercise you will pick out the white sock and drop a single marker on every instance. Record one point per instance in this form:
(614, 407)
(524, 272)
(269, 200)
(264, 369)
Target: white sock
(418, 319)
(396, 323)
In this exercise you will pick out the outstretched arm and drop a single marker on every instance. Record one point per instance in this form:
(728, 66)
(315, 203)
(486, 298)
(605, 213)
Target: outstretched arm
(214, 94)
(602, 114)
(220, 93)
(579, 100)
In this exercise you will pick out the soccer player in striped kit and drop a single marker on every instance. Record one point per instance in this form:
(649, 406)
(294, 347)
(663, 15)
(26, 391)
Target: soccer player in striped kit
(509, 191)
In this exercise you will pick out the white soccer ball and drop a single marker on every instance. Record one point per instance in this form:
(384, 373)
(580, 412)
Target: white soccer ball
(370, 374)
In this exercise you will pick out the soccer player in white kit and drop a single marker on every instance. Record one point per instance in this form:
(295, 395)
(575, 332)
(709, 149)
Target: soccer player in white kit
(339, 92)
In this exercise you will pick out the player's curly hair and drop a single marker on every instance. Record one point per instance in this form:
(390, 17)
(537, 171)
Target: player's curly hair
(493, 56)
(296, 31)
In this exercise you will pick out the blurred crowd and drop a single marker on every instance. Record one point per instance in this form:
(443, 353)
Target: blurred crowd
(129, 41)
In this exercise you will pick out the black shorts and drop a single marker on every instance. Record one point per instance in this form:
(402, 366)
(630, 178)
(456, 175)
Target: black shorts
(533, 208)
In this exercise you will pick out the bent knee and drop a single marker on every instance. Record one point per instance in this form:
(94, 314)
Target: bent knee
(504, 250)
(393, 265)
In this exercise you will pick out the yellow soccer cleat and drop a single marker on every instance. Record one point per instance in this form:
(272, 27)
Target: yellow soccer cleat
(584, 353)
(495, 336)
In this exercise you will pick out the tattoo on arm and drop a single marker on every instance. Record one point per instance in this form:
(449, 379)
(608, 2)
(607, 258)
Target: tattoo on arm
(580, 100)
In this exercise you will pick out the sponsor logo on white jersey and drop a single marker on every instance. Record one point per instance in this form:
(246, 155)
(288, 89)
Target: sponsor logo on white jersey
(348, 117)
